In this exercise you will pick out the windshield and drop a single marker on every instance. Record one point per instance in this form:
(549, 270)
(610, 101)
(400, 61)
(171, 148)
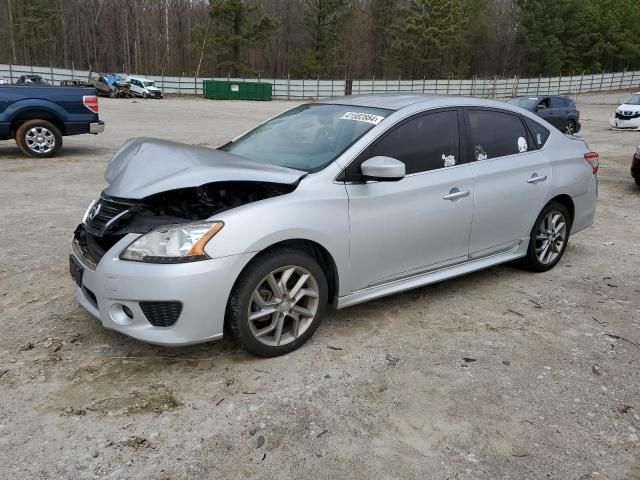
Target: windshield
(149, 84)
(633, 99)
(524, 102)
(308, 137)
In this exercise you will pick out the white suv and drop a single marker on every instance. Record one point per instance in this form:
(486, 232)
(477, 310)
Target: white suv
(143, 87)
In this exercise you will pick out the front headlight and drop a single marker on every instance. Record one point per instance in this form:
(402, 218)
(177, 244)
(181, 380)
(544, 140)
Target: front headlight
(173, 243)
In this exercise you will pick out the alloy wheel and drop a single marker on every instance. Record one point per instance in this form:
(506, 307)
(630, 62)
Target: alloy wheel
(569, 127)
(551, 237)
(283, 305)
(40, 140)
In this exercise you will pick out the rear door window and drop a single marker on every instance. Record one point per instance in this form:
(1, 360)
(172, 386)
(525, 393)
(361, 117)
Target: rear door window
(557, 102)
(496, 134)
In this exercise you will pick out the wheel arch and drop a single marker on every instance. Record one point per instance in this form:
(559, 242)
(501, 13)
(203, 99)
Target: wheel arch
(567, 201)
(309, 247)
(36, 114)
(315, 250)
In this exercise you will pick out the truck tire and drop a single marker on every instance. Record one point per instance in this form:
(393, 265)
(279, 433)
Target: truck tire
(39, 139)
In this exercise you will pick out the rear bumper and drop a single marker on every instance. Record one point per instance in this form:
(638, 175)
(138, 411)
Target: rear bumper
(585, 207)
(96, 127)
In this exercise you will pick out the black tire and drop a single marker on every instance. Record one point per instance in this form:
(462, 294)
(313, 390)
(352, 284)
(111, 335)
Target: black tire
(531, 261)
(569, 127)
(254, 276)
(25, 144)
(144, 95)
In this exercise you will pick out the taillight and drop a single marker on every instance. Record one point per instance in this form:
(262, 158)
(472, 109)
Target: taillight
(593, 159)
(91, 102)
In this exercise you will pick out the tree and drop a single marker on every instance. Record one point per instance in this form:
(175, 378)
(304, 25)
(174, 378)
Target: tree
(324, 20)
(236, 26)
(430, 38)
(382, 13)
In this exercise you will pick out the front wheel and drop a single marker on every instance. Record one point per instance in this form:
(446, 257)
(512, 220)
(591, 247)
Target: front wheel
(39, 138)
(549, 238)
(277, 302)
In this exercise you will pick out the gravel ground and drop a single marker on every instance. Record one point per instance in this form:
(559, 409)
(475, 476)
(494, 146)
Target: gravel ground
(499, 374)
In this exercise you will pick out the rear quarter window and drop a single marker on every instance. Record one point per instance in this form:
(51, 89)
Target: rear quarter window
(539, 133)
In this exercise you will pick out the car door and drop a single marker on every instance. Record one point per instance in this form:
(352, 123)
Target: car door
(133, 87)
(421, 222)
(512, 178)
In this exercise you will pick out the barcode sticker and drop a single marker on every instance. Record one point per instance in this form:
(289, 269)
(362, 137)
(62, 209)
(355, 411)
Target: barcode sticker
(362, 117)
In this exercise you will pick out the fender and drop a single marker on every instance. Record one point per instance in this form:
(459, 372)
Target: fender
(22, 106)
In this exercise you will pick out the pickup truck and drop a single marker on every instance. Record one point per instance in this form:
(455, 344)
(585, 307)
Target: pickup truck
(37, 117)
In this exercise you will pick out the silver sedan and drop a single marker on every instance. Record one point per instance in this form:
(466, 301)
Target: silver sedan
(331, 203)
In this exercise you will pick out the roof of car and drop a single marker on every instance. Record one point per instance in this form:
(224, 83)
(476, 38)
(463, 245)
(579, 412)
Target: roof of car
(387, 100)
(541, 96)
(391, 101)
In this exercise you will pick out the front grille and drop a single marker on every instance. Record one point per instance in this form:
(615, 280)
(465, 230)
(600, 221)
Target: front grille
(627, 115)
(104, 211)
(161, 314)
(92, 248)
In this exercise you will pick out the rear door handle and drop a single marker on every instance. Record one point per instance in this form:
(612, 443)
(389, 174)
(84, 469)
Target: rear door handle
(535, 178)
(455, 194)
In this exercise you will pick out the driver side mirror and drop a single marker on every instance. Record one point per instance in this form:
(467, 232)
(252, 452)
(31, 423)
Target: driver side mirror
(384, 169)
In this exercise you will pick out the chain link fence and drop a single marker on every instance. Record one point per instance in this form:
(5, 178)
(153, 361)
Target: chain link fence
(295, 89)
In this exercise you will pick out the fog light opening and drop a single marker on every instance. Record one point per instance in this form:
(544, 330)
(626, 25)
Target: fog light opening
(121, 314)
(127, 311)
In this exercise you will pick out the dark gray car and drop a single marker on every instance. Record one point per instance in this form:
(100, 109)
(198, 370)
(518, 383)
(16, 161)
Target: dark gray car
(558, 110)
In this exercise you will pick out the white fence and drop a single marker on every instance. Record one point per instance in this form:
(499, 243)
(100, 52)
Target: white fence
(317, 88)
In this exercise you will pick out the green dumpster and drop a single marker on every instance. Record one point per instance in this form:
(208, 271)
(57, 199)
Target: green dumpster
(230, 90)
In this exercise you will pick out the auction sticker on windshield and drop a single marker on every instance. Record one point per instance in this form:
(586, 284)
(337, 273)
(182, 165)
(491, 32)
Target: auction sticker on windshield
(362, 117)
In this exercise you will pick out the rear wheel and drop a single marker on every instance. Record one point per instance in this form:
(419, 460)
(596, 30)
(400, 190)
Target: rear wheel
(277, 302)
(569, 127)
(549, 238)
(39, 138)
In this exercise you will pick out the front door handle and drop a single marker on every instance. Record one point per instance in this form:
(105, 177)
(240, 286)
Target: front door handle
(535, 178)
(455, 194)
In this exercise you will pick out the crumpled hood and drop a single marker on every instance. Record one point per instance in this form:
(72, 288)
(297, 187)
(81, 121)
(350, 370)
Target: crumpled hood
(145, 166)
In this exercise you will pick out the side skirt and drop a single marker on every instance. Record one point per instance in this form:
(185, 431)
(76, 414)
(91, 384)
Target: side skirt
(434, 276)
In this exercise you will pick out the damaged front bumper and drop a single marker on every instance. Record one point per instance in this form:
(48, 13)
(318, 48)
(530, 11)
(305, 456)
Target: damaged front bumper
(618, 123)
(169, 305)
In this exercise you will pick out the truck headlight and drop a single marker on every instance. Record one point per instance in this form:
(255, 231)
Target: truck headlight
(173, 243)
